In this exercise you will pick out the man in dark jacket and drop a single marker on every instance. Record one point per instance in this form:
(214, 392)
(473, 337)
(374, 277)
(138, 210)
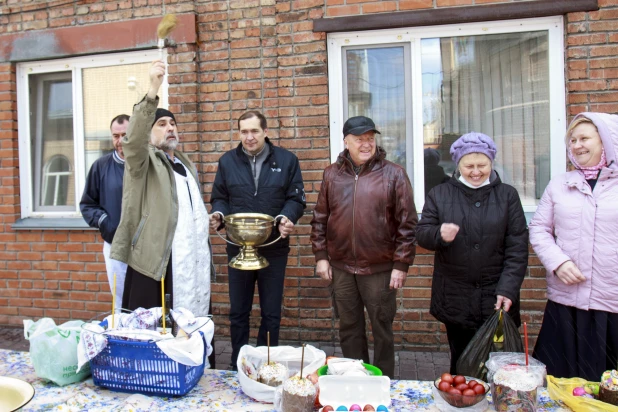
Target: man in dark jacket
(258, 177)
(363, 239)
(102, 200)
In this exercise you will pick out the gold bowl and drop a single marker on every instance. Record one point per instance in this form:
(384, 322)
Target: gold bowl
(14, 393)
(249, 231)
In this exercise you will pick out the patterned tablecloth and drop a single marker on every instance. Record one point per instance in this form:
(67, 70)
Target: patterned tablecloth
(217, 391)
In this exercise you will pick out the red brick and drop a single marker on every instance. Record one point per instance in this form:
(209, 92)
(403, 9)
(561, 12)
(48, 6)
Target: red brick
(381, 7)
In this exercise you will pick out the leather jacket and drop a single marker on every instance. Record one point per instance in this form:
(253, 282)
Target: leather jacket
(365, 223)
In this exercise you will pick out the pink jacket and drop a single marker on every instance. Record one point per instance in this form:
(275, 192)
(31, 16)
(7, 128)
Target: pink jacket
(574, 223)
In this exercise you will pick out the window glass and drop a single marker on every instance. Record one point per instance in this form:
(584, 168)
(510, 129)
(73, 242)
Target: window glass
(493, 84)
(375, 87)
(51, 135)
(108, 92)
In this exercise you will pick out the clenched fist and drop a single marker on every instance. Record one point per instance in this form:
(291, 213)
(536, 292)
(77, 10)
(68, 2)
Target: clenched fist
(448, 231)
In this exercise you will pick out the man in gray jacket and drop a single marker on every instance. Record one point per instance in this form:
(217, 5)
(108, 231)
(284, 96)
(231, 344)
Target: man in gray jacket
(163, 231)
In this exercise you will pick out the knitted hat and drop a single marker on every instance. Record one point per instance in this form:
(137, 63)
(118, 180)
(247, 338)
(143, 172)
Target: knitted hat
(473, 142)
(163, 113)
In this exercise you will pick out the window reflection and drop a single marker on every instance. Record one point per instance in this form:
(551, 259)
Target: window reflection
(376, 88)
(497, 85)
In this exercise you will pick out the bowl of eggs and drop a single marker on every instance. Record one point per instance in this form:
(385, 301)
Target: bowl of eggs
(461, 391)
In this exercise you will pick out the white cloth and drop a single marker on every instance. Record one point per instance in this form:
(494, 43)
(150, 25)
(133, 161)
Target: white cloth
(190, 251)
(190, 350)
(119, 268)
(140, 326)
(347, 367)
(470, 185)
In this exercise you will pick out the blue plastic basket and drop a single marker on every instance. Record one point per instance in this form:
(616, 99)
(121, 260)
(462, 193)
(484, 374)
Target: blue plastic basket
(141, 367)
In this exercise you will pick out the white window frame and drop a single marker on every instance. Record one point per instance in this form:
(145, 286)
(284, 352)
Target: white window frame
(75, 66)
(557, 100)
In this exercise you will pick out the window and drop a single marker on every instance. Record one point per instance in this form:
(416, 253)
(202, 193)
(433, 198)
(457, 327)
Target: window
(64, 111)
(425, 87)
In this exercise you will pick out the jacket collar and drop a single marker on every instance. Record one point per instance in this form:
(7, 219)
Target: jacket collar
(241, 153)
(372, 164)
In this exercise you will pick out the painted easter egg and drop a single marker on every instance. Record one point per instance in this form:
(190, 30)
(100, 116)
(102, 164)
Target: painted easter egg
(342, 408)
(356, 407)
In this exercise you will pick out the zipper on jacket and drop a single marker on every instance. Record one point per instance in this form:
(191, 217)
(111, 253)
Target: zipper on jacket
(254, 176)
(354, 225)
(140, 227)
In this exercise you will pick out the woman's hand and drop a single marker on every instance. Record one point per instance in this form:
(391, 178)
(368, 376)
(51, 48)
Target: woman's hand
(503, 301)
(569, 274)
(448, 231)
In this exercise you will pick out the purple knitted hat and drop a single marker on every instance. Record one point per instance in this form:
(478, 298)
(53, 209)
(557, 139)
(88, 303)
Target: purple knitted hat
(473, 142)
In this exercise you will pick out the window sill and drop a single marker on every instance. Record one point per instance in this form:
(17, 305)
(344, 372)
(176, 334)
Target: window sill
(57, 223)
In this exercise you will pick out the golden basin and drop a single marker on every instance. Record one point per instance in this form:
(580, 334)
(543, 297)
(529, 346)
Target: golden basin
(14, 393)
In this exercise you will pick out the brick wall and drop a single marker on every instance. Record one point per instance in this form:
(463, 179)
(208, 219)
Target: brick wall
(251, 54)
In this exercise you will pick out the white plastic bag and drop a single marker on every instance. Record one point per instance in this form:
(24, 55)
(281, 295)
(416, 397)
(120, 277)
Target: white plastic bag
(53, 350)
(287, 355)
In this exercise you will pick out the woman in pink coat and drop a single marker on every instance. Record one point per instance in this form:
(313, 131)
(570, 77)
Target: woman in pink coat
(575, 234)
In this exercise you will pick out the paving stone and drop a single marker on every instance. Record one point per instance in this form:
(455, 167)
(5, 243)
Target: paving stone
(407, 355)
(426, 374)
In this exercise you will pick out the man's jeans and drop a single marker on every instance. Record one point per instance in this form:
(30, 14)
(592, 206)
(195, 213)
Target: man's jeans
(270, 289)
(352, 293)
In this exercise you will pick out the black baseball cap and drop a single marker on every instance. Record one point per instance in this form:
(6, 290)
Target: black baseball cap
(358, 125)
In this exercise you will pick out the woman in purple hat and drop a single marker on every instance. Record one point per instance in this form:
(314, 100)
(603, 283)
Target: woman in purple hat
(477, 228)
(575, 234)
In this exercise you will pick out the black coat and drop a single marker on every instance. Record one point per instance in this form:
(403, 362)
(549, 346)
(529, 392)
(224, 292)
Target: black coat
(102, 197)
(280, 190)
(488, 257)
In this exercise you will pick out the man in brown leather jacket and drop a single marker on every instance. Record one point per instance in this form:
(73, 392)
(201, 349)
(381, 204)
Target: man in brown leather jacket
(363, 239)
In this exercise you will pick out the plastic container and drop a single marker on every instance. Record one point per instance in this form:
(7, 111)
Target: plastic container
(514, 387)
(373, 371)
(141, 367)
(349, 390)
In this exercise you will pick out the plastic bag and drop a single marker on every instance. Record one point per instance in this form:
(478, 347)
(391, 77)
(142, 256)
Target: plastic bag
(515, 387)
(562, 389)
(500, 359)
(251, 358)
(497, 334)
(53, 350)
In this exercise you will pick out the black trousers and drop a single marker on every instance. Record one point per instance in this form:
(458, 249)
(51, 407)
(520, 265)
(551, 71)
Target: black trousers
(458, 339)
(270, 289)
(577, 343)
(145, 292)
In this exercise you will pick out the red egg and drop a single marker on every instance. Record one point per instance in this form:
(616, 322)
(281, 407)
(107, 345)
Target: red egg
(468, 392)
(462, 387)
(369, 408)
(472, 383)
(479, 389)
(327, 408)
(454, 391)
(446, 377)
(444, 386)
(459, 379)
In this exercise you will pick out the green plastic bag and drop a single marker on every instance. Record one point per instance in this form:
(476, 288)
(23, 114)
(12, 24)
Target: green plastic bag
(53, 350)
